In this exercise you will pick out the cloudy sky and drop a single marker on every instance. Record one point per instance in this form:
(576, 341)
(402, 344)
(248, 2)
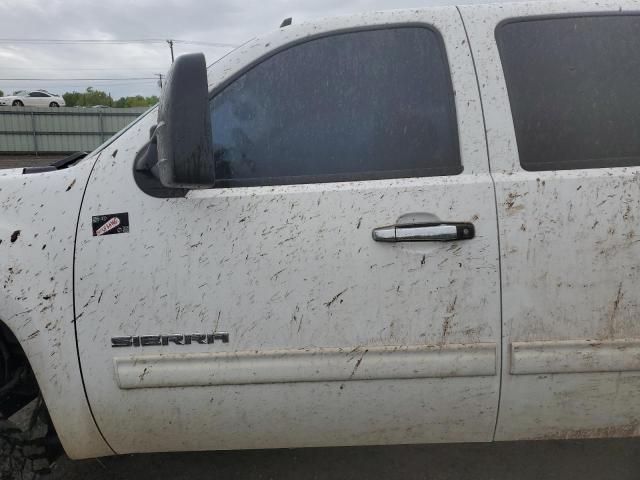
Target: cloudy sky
(131, 67)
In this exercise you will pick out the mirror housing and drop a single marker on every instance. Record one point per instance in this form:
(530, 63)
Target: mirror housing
(183, 158)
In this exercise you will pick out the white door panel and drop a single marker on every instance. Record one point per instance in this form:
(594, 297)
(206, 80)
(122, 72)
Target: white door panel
(570, 284)
(334, 339)
(570, 270)
(294, 280)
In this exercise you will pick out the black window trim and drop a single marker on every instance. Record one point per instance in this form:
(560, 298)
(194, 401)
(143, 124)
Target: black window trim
(505, 70)
(362, 176)
(563, 16)
(357, 177)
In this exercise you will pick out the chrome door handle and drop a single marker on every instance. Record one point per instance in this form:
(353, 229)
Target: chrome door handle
(424, 232)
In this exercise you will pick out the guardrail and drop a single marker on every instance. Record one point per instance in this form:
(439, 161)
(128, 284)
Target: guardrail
(60, 130)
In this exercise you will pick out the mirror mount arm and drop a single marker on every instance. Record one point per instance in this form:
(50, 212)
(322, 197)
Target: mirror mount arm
(147, 157)
(146, 173)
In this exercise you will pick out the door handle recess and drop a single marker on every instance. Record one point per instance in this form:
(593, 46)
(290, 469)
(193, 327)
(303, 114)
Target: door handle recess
(424, 232)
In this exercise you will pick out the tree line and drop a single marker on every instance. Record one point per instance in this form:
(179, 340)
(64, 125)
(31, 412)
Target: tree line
(92, 97)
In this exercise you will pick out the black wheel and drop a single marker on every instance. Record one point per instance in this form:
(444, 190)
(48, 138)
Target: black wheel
(27, 450)
(53, 104)
(18, 103)
(28, 443)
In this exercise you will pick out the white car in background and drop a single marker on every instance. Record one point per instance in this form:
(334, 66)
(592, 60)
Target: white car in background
(32, 98)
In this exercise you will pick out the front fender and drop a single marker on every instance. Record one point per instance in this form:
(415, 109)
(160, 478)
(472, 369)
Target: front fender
(38, 218)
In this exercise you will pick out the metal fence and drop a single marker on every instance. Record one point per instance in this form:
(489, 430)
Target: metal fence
(60, 130)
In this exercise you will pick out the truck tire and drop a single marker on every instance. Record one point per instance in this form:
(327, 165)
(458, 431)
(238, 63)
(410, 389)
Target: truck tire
(27, 447)
(28, 443)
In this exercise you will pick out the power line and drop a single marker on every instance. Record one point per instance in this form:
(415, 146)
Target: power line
(102, 85)
(211, 44)
(72, 79)
(74, 68)
(108, 85)
(96, 41)
(78, 41)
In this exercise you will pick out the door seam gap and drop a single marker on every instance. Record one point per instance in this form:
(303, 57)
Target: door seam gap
(495, 196)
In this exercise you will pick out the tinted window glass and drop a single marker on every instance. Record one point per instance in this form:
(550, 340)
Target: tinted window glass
(352, 106)
(573, 86)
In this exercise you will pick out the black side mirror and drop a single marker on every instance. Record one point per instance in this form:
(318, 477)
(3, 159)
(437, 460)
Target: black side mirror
(179, 153)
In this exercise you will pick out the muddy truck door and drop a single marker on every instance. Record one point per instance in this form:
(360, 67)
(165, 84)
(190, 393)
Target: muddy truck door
(559, 87)
(337, 285)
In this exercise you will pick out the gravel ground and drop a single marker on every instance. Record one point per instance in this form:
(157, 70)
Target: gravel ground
(617, 459)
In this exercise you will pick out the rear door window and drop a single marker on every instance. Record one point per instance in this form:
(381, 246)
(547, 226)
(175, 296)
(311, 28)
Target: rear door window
(574, 88)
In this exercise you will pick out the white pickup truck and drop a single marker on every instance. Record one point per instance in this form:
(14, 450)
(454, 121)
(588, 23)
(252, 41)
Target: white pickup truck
(400, 227)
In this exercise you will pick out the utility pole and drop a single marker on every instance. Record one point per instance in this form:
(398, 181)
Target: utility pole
(159, 75)
(170, 42)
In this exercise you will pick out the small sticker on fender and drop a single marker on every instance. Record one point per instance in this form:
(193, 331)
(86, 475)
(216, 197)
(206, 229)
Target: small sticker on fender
(110, 224)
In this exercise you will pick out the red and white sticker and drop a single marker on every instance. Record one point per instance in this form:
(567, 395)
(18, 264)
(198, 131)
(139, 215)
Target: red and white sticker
(112, 223)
